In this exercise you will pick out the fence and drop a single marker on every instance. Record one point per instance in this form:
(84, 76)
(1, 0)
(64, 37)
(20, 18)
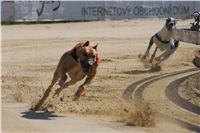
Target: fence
(94, 10)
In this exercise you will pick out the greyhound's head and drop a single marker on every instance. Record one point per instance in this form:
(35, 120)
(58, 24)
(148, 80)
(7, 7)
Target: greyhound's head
(196, 16)
(170, 23)
(87, 56)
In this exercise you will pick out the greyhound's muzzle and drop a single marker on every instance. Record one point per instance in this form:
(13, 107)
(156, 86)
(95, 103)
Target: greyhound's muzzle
(171, 24)
(87, 64)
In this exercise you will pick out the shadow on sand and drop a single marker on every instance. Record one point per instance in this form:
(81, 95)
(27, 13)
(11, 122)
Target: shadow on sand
(39, 115)
(153, 69)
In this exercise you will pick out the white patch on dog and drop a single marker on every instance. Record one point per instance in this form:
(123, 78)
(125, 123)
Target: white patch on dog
(91, 61)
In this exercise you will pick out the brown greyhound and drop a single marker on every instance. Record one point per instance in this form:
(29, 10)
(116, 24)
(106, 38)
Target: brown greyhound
(82, 61)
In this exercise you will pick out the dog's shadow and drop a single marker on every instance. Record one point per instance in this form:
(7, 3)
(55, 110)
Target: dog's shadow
(151, 70)
(39, 115)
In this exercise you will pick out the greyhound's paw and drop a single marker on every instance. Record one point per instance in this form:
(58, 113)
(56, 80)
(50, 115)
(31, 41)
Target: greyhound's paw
(155, 67)
(145, 60)
(56, 94)
(33, 109)
(142, 57)
(151, 61)
(157, 59)
(76, 98)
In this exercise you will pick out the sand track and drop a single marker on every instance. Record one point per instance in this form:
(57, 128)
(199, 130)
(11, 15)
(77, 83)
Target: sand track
(30, 54)
(135, 94)
(173, 95)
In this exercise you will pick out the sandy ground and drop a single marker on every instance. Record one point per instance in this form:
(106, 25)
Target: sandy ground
(124, 96)
(190, 89)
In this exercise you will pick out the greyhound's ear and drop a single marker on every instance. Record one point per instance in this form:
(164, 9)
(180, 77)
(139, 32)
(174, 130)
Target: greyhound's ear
(86, 44)
(95, 47)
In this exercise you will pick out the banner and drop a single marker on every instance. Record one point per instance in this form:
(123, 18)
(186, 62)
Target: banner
(95, 10)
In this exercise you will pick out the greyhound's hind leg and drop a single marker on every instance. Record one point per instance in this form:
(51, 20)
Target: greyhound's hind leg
(165, 55)
(47, 92)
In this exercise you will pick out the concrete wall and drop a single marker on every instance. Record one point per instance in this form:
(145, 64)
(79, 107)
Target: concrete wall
(95, 10)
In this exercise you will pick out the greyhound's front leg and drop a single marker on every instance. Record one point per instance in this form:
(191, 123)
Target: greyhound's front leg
(153, 55)
(78, 93)
(149, 47)
(81, 88)
(71, 82)
(87, 81)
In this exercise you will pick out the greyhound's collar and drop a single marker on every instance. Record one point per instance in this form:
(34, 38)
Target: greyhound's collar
(97, 59)
(159, 38)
